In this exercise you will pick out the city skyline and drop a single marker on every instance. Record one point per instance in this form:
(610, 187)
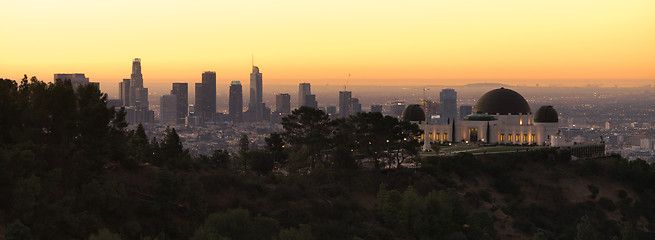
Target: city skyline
(386, 43)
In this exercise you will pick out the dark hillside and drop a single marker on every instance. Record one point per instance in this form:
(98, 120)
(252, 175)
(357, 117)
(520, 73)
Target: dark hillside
(71, 169)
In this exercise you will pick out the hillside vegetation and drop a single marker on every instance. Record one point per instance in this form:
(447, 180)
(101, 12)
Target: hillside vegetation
(71, 169)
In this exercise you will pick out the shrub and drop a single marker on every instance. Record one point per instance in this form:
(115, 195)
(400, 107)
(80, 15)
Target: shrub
(606, 204)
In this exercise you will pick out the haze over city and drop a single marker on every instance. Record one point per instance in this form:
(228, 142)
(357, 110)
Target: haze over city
(606, 42)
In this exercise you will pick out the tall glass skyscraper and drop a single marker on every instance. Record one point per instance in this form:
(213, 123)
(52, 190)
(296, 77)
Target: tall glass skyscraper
(236, 101)
(345, 107)
(304, 89)
(283, 103)
(256, 96)
(136, 82)
(168, 109)
(208, 95)
(181, 92)
(448, 99)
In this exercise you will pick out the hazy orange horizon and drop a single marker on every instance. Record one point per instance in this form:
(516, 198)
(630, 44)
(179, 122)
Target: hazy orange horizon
(602, 42)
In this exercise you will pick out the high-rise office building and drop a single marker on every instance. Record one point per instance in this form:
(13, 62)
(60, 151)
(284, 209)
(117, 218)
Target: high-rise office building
(124, 90)
(198, 104)
(208, 95)
(448, 99)
(345, 103)
(76, 79)
(256, 97)
(114, 104)
(135, 96)
(355, 106)
(168, 109)
(304, 89)
(431, 110)
(236, 102)
(396, 108)
(465, 110)
(283, 103)
(310, 101)
(181, 92)
(136, 77)
(331, 110)
(136, 81)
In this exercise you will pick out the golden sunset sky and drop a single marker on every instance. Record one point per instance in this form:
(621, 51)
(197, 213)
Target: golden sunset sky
(378, 42)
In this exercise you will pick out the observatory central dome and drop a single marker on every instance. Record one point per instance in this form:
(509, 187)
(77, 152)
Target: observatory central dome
(502, 101)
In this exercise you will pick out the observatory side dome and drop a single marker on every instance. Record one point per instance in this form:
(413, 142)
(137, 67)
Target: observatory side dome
(413, 113)
(546, 114)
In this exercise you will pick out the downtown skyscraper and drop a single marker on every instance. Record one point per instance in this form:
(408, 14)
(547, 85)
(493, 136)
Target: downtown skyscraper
(136, 86)
(168, 109)
(236, 102)
(135, 97)
(181, 92)
(124, 91)
(345, 103)
(283, 103)
(304, 89)
(256, 104)
(448, 99)
(205, 106)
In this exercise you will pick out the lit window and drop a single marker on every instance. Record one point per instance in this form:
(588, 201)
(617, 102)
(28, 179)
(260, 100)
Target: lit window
(445, 136)
(525, 137)
(509, 137)
(502, 137)
(518, 138)
(533, 138)
(436, 137)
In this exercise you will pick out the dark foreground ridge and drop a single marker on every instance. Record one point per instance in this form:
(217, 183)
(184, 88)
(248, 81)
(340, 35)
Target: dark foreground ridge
(70, 169)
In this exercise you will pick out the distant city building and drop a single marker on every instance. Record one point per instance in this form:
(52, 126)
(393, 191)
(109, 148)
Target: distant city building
(355, 106)
(431, 109)
(283, 103)
(96, 84)
(464, 111)
(376, 108)
(134, 97)
(331, 110)
(304, 89)
(448, 100)
(208, 96)
(168, 109)
(76, 79)
(136, 81)
(236, 102)
(124, 91)
(181, 92)
(114, 103)
(198, 104)
(396, 108)
(142, 102)
(310, 101)
(345, 103)
(256, 104)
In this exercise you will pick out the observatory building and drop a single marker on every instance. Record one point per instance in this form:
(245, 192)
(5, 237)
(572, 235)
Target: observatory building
(500, 116)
